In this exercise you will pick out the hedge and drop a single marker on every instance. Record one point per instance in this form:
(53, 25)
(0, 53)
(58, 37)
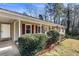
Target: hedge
(32, 43)
(53, 36)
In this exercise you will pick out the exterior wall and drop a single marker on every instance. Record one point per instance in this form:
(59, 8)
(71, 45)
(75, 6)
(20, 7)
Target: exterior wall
(46, 28)
(61, 30)
(5, 29)
(16, 33)
(16, 29)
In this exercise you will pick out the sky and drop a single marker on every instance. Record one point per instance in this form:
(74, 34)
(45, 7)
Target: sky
(23, 7)
(32, 9)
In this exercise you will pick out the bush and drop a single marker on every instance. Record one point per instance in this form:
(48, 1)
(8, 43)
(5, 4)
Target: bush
(32, 43)
(53, 36)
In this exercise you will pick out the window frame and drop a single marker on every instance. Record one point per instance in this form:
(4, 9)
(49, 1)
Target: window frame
(30, 28)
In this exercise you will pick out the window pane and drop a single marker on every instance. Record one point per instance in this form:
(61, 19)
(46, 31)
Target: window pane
(38, 29)
(28, 29)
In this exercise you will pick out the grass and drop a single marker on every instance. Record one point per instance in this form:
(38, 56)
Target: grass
(69, 47)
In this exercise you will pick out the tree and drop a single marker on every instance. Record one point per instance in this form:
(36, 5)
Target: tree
(58, 11)
(68, 19)
(54, 11)
(24, 13)
(31, 11)
(70, 13)
(40, 17)
(48, 11)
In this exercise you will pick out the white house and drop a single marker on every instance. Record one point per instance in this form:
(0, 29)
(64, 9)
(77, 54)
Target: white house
(13, 25)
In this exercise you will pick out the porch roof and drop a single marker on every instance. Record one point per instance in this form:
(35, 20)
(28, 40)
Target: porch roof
(18, 16)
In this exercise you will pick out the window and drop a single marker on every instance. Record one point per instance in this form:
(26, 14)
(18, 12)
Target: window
(37, 29)
(28, 28)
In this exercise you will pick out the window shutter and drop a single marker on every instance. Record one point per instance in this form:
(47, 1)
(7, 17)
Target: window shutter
(23, 28)
(32, 28)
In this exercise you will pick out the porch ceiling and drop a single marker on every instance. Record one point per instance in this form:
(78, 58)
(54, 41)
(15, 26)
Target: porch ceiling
(6, 20)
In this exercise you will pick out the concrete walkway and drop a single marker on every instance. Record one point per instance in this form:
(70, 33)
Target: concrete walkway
(8, 48)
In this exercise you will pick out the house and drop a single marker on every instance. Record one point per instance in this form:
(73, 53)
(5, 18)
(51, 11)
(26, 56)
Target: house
(14, 25)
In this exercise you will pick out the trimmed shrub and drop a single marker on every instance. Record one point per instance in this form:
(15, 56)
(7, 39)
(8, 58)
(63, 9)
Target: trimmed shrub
(53, 36)
(32, 43)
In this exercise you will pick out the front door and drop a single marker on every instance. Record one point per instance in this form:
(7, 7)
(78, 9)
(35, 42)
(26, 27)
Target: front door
(5, 31)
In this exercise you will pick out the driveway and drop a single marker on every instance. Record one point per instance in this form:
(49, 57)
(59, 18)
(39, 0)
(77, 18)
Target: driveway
(8, 48)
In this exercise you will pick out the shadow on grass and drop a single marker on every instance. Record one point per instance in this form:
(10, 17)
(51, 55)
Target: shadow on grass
(76, 51)
(76, 37)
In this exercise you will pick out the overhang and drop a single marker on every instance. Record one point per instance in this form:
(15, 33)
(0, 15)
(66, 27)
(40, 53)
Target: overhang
(17, 16)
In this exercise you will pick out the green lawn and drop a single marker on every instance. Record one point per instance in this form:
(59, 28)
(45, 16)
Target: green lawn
(69, 47)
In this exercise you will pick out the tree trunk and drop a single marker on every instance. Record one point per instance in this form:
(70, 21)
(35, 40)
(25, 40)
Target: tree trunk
(73, 21)
(59, 19)
(68, 22)
(68, 26)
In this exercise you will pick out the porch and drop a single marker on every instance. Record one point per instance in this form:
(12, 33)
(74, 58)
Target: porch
(12, 29)
(24, 27)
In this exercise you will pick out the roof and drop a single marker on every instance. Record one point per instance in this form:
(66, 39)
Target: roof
(29, 16)
(21, 14)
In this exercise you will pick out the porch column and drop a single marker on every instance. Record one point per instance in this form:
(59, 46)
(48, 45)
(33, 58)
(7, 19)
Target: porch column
(31, 29)
(40, 28)
(34, 29)
(14, 30)
(19, 28)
